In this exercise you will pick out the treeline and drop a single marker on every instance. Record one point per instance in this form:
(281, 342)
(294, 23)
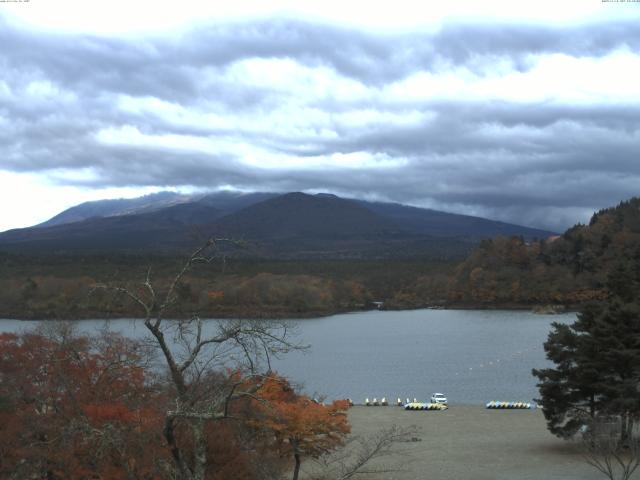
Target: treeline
(61, 287)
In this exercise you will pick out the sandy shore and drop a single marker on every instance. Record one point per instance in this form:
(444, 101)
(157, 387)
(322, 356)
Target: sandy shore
(471, 442)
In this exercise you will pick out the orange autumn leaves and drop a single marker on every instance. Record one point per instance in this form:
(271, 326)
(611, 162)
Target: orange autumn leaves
(300, 424)
(74, 407)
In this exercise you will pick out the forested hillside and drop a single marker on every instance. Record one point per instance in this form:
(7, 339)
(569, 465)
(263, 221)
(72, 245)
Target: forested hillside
(565, 270)
(510, 272)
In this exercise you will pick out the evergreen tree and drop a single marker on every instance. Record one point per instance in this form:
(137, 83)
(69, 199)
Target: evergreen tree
(570, 392)
(597, 361)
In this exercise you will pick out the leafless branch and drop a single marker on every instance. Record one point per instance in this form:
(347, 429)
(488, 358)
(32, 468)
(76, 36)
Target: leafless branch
(604, 451)
(189, 352)
(360, 454)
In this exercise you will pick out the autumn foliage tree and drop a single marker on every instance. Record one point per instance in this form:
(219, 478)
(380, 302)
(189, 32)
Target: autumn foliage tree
(73, 407)
(77, 407)
(301, 427)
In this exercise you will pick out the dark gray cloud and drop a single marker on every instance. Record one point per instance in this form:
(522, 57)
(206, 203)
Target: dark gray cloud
(286, 105)
(165, 67)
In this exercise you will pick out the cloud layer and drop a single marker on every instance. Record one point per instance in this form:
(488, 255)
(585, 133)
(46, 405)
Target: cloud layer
(532, 124)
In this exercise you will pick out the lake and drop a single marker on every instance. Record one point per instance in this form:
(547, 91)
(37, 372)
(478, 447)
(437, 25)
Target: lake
(472, 356)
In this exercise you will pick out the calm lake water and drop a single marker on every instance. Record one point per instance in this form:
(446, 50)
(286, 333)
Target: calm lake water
(472, 356)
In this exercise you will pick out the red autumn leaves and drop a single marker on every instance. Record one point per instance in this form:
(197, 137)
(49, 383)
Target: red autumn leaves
(74, 407)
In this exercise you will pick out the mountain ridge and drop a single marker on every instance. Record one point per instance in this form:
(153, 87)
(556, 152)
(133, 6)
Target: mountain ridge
(279, 224)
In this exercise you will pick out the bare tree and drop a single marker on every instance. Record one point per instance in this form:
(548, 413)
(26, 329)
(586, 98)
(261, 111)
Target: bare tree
(362, 455)
(603, 450)
(194, 352)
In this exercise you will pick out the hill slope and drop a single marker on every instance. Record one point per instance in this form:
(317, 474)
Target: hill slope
(293, 224)
(115, 207)
(424, 221)
(226, 202)
(567, 270)
(300, 215)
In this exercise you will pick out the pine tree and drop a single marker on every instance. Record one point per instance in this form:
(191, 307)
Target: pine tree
(570, 392)
(597, 361)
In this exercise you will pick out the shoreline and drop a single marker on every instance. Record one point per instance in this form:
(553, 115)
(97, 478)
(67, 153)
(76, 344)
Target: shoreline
(288, 315)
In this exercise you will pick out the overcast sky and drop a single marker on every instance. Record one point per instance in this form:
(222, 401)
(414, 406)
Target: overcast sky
(527, 112)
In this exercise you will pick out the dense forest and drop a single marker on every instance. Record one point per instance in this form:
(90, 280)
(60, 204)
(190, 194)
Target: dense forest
(61, 286)
(564, 271)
